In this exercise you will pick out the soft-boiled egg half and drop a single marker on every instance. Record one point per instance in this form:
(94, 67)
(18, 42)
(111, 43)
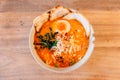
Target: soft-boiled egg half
(61, 26)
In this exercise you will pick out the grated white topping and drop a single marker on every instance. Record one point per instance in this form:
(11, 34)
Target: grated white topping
(65, 45)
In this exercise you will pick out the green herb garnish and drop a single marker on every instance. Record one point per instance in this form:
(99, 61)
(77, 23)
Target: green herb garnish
(48, 40)
(56, 65)
(71, 63)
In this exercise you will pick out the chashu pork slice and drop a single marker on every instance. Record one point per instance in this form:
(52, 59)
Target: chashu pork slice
(58, 11)
(40, 20)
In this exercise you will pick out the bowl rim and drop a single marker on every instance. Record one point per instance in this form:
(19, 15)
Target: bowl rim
(66, 69)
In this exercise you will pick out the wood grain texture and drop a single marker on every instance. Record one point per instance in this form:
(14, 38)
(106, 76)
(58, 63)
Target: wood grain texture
(16, 61)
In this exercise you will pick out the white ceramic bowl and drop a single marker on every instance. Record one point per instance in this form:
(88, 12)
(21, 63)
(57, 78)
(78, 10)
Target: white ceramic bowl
(86, 25)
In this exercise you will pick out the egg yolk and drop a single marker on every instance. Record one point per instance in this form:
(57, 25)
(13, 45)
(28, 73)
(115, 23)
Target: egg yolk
(61, 26)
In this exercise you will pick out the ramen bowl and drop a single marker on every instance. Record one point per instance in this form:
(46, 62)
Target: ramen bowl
(59, 12)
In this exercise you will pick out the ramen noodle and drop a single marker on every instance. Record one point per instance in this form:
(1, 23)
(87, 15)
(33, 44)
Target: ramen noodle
(60, 39)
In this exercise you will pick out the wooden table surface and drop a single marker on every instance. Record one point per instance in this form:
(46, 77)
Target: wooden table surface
(16, 61)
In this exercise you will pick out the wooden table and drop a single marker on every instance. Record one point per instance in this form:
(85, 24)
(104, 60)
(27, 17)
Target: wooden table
(16, 61)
